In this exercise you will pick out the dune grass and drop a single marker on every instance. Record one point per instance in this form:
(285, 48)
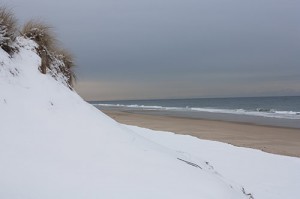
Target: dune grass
(8, 30)
(53, 57)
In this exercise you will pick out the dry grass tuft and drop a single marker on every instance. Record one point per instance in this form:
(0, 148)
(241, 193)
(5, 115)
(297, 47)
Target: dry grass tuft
(48, 50)
(8, 29)
(42, 34)
(59, 63)
(68, 65)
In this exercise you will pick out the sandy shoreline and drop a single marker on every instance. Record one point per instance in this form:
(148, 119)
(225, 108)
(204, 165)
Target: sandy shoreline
(277, 140)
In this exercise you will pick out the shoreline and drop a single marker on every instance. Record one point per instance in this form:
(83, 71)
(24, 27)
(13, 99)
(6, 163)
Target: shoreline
(213, 116)
(271, 139)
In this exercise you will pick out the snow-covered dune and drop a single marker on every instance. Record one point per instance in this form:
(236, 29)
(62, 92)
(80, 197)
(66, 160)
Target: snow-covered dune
(55, 145)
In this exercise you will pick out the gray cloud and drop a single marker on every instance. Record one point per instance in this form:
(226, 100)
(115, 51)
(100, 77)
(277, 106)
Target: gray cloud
(175, 48)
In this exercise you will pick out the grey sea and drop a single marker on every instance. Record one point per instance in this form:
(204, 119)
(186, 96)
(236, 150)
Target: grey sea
(272, 111)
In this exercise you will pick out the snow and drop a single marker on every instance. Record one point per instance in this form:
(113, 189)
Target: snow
(55, 145)
(264, 175)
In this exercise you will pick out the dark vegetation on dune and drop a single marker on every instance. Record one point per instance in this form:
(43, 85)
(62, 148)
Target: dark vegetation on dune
(8, 30)
(54, 60)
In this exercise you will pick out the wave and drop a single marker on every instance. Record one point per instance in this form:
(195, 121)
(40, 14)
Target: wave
(132, 106)
(272, 113)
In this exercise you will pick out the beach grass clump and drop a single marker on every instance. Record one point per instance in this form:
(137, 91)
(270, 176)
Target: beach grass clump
(64, 63)
(54, 60)
(69, 65)
(42, 34)
(8, 30)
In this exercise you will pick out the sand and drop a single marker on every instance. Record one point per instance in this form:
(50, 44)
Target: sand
(276, 140)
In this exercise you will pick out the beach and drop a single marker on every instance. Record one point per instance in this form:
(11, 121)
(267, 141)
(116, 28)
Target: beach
(276, 140)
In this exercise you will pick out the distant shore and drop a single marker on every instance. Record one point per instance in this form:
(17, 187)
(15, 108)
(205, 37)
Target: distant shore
(276, 140)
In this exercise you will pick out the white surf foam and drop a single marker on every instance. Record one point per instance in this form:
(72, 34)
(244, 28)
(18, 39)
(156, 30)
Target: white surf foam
(271, 113)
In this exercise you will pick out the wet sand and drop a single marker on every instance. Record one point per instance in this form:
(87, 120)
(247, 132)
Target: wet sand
(277, 140)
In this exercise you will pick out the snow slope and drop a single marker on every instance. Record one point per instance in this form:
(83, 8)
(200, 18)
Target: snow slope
(265, 175)
(55, 145)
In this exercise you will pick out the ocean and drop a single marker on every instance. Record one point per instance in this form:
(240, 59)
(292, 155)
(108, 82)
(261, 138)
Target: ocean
(275, 111)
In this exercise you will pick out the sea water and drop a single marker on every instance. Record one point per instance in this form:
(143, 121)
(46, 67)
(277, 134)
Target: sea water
(262, 110)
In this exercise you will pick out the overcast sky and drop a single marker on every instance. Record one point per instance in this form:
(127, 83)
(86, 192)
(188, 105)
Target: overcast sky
(139, 49)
